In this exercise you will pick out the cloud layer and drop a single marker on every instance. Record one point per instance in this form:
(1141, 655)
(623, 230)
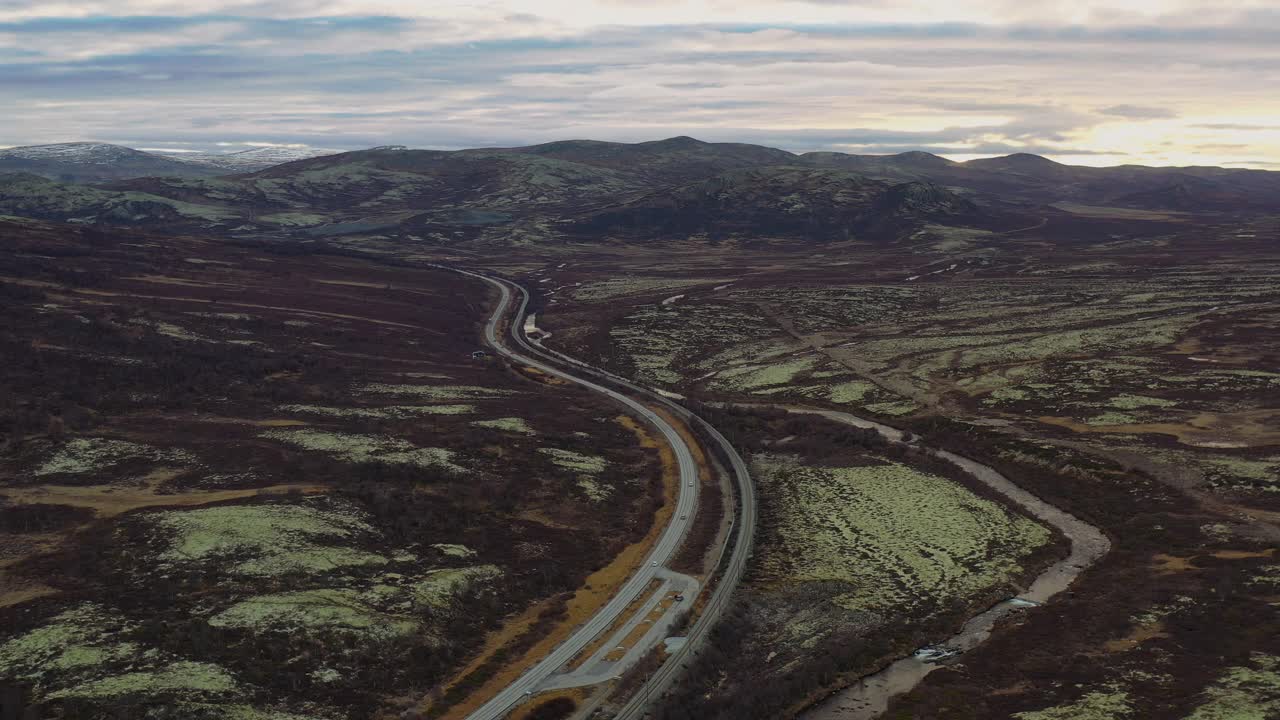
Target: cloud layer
(1154, 81)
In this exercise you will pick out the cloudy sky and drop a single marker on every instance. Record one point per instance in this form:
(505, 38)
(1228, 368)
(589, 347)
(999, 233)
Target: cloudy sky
(1083, 81)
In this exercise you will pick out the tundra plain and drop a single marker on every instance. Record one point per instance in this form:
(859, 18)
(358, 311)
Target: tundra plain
(251, 466)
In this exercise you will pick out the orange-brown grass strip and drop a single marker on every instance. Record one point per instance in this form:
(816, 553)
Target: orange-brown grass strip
(111, 500)
(639, 631)
(599, 587)
(539, 702)
(632, 608)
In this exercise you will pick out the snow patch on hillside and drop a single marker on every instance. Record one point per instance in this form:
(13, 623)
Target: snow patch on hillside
(89, 153)
(252, 159)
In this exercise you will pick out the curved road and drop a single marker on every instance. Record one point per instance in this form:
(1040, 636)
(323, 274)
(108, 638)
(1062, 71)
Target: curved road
(1088, 544)
(667, 544)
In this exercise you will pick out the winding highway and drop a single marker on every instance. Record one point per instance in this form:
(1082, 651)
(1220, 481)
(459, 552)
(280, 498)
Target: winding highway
(732, 569)
(869, 697)
(667, 544)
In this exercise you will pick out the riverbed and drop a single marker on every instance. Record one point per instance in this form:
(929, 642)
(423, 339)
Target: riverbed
(869, 697)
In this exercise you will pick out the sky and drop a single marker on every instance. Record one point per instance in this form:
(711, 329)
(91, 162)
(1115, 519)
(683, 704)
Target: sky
(1089, 82)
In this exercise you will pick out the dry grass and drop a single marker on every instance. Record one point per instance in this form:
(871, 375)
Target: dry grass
(1167, 564)
(632, 608)
(277, 423)
(353, 283)
(109, 501)
(254, 306)
(1118, 213)
(639, 631)
(1244, 554)
(14, 595)
(577, 695)
(1136, 637)
(1247, 428)
(599, 587)
(537, 375)
(112, 500)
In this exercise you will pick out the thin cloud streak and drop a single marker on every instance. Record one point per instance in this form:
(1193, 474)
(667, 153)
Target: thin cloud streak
(1149, 81)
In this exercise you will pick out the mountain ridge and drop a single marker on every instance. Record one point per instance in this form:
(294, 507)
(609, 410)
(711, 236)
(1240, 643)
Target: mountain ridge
(94, 162)
(666, 188)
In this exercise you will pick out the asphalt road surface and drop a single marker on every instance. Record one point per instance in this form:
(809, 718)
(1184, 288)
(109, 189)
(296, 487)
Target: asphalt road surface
(639, 705)
(668, 543)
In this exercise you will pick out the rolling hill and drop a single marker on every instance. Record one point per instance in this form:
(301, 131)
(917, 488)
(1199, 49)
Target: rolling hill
(90, 162)
(585, 189)
(252, 160)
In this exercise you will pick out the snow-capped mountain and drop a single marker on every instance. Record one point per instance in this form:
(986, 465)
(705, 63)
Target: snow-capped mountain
(253, 159)
(94, 162)
(90, 153)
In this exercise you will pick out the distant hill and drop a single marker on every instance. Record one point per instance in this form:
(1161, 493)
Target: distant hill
(30, 195)
(90, 162)
(584, 189)
(252, 160)
(671, 161)
(1024, 163)
(781, 201)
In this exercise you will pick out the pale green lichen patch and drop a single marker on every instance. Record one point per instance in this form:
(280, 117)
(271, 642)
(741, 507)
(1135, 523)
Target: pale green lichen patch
(1244, 693)
(1156, 613)
(340, 610)
(1006, 394)
(852, 392)
(221, 315)
(80, 639)
(267, 540)
(222, 711)
(507, 424)
(443, 393)
(294, 219)
(1227, 471)
(440, 587)
(453, 550)
(325, 675)
(80, 456)
(1268, 577)
(893, 536)
(1093, 706)
(83, 653)
(1135, 402)
(894, 409)
(391, 607)
(1111, 418)
(177, 332)
(578, 462)
(178, 679)
(619, 287)
(754, 377)
(594, 491)
(367, 448)
(390, 412)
